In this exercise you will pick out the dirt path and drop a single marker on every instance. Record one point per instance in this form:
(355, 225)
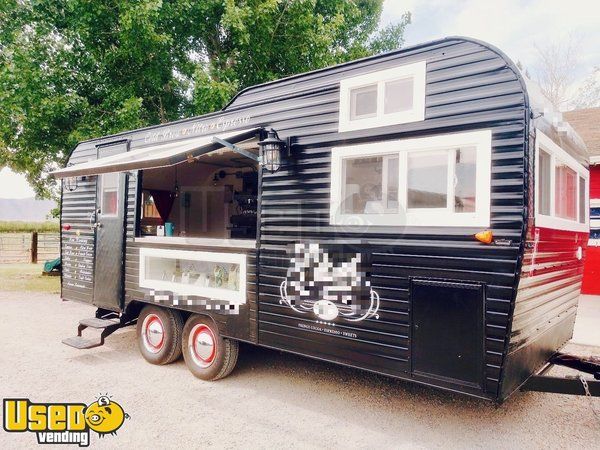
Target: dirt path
(272, 400)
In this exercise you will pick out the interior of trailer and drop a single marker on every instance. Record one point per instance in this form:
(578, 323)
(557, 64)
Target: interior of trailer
(208, 202)
(213, 196)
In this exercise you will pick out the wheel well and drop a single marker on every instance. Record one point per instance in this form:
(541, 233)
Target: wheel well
(134, 308)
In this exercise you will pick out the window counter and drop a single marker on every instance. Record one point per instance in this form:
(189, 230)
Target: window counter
(204, 242)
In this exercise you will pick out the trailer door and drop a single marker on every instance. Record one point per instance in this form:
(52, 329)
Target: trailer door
(110, 214)
(447, 332)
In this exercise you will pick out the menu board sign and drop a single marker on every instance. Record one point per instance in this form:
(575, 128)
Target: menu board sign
(78, 261)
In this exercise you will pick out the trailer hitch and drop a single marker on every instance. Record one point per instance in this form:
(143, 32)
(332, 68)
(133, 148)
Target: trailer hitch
(572, 385)
(588, 365)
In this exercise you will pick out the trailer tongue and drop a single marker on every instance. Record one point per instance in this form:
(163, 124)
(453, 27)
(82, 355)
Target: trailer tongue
(573, 384)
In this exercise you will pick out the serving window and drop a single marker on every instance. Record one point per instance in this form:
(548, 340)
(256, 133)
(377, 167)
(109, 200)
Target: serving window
(434, 181)
(386, 97)
(212, 197)
(561, 186)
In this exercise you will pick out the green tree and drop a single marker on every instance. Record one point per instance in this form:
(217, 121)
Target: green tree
(75, 69)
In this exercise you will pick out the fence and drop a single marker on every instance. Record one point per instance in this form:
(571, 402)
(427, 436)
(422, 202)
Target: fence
(28, 247)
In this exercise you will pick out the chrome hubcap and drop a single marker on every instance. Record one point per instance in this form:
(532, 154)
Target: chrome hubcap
(153, 333)
(202, 345)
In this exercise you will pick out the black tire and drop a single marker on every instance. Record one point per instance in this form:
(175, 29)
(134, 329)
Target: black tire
(212, 364)
(171, 322)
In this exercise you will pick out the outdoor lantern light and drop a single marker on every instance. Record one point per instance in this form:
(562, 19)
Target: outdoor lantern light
(271, 149)
(71, 184)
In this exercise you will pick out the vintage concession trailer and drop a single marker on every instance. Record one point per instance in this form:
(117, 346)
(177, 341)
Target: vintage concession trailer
(411, 214)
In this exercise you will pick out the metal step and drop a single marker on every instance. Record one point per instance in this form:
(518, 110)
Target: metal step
(82, 343)
(94, 322)
(111, 323)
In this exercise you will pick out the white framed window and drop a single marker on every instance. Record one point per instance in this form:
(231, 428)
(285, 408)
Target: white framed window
(561, 188)
(433, 181)
(386, 97)
(220, 276)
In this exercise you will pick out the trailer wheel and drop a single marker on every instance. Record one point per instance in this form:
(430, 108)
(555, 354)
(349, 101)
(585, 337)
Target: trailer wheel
(159, 334)
(208, 355)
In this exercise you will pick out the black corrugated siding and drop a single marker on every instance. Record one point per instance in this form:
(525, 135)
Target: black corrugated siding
(77, 207)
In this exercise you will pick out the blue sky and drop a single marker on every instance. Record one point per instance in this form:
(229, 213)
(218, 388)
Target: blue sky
(514, 26)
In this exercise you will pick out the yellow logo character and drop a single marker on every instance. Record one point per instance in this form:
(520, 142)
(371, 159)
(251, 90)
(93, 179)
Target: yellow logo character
(105, 416)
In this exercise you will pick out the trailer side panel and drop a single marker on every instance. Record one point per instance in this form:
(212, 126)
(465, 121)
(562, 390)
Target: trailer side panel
(469, 87)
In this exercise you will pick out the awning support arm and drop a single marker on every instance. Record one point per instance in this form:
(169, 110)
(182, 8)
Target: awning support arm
(237, 149)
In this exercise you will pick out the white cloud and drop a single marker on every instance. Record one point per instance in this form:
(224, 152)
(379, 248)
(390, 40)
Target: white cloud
(514, 26)
(13, 185)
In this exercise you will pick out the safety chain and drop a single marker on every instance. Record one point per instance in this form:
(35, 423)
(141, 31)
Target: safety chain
(586, 388)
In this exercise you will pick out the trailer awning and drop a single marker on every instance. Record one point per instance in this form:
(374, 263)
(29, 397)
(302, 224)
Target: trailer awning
(156, 155)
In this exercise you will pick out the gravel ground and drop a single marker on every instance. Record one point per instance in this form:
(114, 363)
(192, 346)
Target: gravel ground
(271, 400)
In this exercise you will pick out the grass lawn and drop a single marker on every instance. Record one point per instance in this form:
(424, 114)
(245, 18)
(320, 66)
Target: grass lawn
(28, 227)
(27, 277)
